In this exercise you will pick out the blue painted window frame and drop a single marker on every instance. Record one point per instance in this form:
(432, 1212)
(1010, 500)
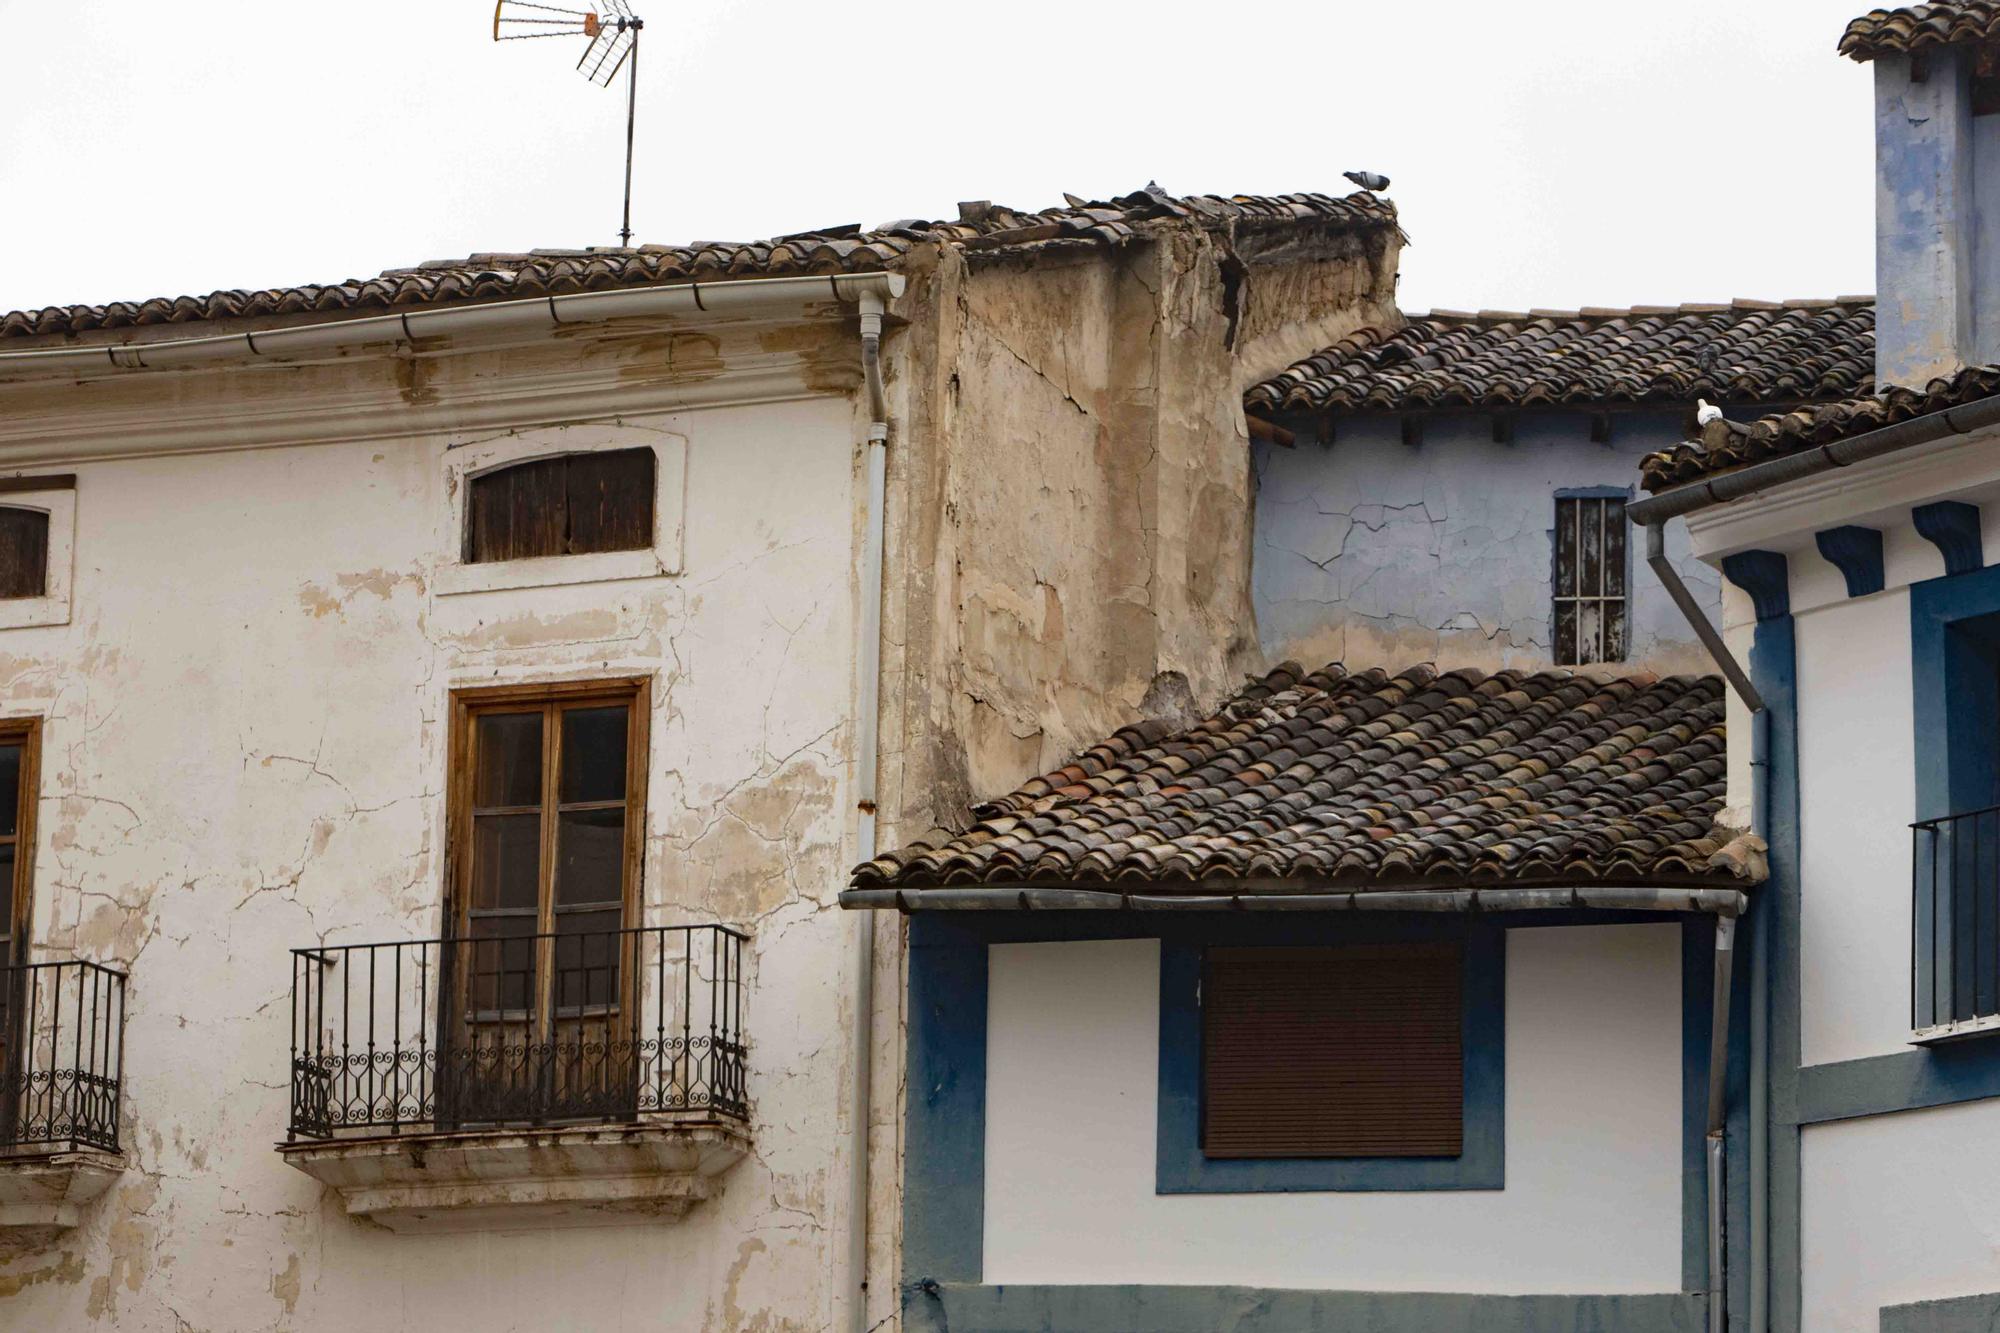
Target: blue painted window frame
(1183, 1168)
(1955, 704)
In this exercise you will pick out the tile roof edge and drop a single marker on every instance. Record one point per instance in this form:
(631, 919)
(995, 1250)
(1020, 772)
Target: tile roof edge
(1743, 304)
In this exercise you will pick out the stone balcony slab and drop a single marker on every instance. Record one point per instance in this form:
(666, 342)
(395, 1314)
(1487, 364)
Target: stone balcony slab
(51, 1190)
(516, 1179)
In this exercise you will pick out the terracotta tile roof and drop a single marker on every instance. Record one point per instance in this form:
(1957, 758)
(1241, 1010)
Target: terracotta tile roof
(1918, 27)
(846, 249)
(1727, 445)
(1368, 780)
(1741, 352)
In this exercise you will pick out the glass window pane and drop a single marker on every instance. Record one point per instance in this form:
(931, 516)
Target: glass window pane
(590, 857)
(501, 962)
(1566, 548)
(10, 790)
(1591, 580)
(1614, 548)
(593, 754)
(588, 948)
(6, 901)
(509, 746)
(506, 860)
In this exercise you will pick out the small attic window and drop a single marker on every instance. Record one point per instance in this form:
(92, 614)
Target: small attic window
(572, 504)
(24, 552)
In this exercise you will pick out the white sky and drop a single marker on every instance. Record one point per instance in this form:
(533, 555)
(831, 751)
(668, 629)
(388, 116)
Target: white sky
(1544, 152)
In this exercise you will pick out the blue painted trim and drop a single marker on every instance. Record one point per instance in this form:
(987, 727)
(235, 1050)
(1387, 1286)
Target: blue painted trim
(944, 1115)
(952, 1308)
(1944, 1075)
(1960, 1314)
(1953, 527)
(1857, 553)
(1182, 1168)
(944, 1165)
(1766, 577)
(1775, 909)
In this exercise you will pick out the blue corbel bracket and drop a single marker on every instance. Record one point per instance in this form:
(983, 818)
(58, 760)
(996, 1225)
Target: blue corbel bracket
(1857, 554)
(1953, 527)
(1766, 577)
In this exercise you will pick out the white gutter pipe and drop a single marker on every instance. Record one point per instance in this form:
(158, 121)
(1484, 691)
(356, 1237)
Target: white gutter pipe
(867, 724)
(1718, 1121)
(738, 296)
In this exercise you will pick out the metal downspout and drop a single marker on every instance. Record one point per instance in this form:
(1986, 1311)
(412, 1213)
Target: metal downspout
(867, 723)
(1697, 619)
(1718, 1106)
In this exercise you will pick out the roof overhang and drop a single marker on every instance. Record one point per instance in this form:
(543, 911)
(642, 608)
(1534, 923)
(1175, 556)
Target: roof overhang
(1713, 901)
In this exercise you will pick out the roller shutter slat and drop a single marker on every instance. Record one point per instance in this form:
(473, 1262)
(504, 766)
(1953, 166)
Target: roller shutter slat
(1337, 1052)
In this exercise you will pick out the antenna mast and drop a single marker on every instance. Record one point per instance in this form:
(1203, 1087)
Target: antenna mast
(614, 45)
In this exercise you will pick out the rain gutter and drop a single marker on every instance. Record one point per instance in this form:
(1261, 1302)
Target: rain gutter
(736, 296)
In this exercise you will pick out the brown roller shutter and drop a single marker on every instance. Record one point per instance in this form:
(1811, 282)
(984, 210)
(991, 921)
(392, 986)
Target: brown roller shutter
(1340, 1052)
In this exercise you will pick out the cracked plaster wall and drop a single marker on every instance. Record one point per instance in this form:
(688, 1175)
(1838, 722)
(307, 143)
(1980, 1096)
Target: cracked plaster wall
(1377, 553)
(245, 754)
(1074, 493)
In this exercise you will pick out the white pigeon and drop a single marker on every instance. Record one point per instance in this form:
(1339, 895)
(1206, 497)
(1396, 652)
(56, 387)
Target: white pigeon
(1705, 412)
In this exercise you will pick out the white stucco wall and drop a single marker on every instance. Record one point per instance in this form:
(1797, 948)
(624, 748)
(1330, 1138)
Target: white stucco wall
(245, 753)
(1593, 1195)
(1898, 1208)
(1857, 794)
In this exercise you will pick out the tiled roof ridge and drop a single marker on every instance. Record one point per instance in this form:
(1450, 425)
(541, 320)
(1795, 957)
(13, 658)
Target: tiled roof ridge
(1742, 351)
(1738, 303)
(1727, 445)
(1367, 776)
(1911, 28)
(497, 276)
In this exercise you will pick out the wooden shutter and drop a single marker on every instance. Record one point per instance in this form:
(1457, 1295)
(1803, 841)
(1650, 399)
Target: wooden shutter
(1335, 1052)
(24, 552)
(569, 505)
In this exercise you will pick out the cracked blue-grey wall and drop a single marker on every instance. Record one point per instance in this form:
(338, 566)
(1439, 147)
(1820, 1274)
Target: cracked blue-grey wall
(1375, 552)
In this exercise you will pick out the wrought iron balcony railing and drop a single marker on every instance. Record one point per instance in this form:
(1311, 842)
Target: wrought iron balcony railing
(517, 1030)
(62, 1054)
(1955, 923)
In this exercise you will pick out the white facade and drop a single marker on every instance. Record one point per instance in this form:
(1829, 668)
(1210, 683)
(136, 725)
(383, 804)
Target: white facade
(245, 753)
(1592, 1202)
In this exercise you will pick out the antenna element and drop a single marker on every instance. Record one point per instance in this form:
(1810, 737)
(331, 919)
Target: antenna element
(614, 45)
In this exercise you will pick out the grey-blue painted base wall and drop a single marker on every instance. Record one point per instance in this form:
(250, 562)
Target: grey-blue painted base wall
(964, 1308)
(1966, 1314)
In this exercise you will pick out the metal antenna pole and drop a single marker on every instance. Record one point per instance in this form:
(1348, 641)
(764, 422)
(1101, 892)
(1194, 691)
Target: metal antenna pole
(631, 120)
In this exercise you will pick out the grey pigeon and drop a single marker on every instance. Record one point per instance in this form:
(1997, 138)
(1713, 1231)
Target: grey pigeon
(1368, 180)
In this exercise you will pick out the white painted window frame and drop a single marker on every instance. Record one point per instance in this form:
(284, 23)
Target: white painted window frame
(455, 576)
(53, 606)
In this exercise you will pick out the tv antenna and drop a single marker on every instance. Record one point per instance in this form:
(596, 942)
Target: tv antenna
(614, 45)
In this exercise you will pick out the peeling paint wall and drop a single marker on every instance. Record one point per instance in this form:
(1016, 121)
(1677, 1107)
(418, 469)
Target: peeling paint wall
(1375, 552)
(245, 753)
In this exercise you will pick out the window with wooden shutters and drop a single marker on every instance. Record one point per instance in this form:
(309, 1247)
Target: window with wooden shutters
(1351, 1051)
(572, 504)
(24, 552)
(1590, 575)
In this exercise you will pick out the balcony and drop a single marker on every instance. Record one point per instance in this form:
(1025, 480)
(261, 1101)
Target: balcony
(521, 1080)
(1955, 926)
(62, 1038)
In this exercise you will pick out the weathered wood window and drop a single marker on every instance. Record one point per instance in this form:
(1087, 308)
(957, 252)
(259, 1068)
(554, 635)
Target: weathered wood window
(20, 761)
(1590, 600)
(568, 505)
(1354, 1051)
(24, 552)
(20, 754)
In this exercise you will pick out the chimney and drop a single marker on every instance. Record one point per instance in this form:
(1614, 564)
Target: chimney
(1937, 213)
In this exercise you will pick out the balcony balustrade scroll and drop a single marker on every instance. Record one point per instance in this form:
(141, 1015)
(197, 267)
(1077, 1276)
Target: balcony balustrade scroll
(62, 1056)
(569, 1028)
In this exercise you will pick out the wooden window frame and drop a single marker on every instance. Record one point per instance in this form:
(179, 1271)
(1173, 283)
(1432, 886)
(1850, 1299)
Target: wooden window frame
(635, 692)
(1566, 587)
(27, 732)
